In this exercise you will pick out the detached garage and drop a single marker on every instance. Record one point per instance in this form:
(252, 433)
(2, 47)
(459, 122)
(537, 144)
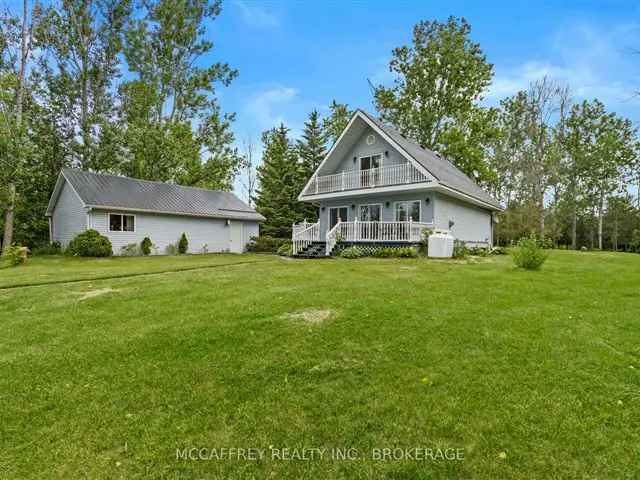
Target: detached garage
(127, 210)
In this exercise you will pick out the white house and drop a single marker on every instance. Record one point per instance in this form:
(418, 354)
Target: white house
(126, 210)
(377, 187)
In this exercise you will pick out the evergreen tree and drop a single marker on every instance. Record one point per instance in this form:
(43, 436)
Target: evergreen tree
(278, 178)
(311, 150)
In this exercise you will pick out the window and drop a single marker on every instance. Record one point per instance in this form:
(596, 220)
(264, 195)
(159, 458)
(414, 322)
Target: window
(408, 210)
(373, 161)
(370, 213)
(122, 223)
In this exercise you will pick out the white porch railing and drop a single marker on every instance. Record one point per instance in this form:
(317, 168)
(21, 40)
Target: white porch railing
(304, 234)
(409, 232)
(362, 179)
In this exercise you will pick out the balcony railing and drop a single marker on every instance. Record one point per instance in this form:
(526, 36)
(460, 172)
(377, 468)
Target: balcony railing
(364, 179)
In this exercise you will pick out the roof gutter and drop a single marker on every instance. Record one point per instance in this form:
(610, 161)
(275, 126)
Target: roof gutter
(258, 218)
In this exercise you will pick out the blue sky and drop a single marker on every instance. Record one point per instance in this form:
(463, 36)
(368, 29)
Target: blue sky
(296, 56)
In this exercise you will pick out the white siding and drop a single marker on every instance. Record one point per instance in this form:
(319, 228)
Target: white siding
(69, 216)
(166, 229)
(471, 224)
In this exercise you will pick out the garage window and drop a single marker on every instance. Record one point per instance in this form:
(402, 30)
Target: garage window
(122, 223)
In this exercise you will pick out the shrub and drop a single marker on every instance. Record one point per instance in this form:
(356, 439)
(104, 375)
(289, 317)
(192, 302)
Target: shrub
(351, 252)
(17, 255)
(286, 249)
(266, 244)
(584, 249)
(498, 251)
(529, 254)
(171, 249)
(423, 245)
(90, 244)
(406, 252)
(183, 244)
(479, 251)
(53, 248)
(130, 250)
(460, 249)
(145, 246)
(384, 252)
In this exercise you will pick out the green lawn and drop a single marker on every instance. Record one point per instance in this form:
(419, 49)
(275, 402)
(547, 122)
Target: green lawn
(530, 374)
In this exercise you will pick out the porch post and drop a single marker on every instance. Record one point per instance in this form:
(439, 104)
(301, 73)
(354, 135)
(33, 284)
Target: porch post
(343, 180)
(409, 236)
(356, 232)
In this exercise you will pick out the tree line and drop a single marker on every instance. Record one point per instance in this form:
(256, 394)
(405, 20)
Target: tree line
(562, 169)
(113, 86)
(108, 86)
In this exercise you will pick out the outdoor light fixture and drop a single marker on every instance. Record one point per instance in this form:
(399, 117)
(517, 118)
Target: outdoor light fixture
(427, 200)
(353, 207)
(387, 204)
(322, 209)
(228, 222)
(451, 223)
(386, 153)
(355, 159)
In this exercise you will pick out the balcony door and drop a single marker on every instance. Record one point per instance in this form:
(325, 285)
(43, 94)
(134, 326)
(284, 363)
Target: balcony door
(369, 170)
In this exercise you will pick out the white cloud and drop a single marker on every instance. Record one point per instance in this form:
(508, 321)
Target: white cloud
(255, 15)
(593, 62)
(266, 107)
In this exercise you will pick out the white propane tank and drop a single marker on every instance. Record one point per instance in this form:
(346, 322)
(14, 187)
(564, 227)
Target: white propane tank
(441, 244)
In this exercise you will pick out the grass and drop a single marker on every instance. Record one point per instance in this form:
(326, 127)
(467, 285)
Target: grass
(530, 374)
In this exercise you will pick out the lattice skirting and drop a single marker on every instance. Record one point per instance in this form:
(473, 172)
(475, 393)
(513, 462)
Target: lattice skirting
(369, 247)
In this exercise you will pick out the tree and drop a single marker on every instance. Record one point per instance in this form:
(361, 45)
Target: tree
(277, 195)
(174, 129)
(16, 50)
(84, 39)
(336, 122)
(311, 152)
(248, 174)
(602, 146)
(434, 99)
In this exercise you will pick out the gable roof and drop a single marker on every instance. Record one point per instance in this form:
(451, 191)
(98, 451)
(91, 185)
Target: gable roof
(445, 172)
(98, 190)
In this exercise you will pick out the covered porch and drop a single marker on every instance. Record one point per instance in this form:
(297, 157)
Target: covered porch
(307, 235)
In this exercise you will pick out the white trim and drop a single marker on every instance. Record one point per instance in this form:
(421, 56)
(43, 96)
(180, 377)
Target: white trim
(56, 194)
(135, 222)
(178, 214)
(407, 201)
(371, 191)
(368, 205)
(452, 192)
(329, 214)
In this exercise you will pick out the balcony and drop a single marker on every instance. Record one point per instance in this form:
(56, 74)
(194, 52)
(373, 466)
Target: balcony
(365, 179)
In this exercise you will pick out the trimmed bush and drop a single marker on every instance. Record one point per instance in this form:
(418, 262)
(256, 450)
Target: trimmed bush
(90, 244)
(384, 252)
(266, 244)
(351, 252)
(406, 252)
(171, 249)
(145, 246)
(529, 254)
(183, 244)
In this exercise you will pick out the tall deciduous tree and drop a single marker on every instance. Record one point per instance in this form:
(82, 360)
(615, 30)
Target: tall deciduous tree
(175, 130)
(434, 99)
(278, 178)
(84, 39)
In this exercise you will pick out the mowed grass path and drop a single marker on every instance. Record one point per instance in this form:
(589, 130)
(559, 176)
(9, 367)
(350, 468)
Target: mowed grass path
(533, 374)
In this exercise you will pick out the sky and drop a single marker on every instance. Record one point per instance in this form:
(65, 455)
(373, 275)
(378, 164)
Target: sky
(296, 56)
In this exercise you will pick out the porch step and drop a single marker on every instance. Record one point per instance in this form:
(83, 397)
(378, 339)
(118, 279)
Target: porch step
(314, 250)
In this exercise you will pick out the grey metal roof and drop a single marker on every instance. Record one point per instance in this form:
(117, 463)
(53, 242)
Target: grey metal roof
(442, 169)
(100, 190)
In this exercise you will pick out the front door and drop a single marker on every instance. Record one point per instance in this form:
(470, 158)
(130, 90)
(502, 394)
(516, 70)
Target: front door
(369, 216)
(336, 213)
